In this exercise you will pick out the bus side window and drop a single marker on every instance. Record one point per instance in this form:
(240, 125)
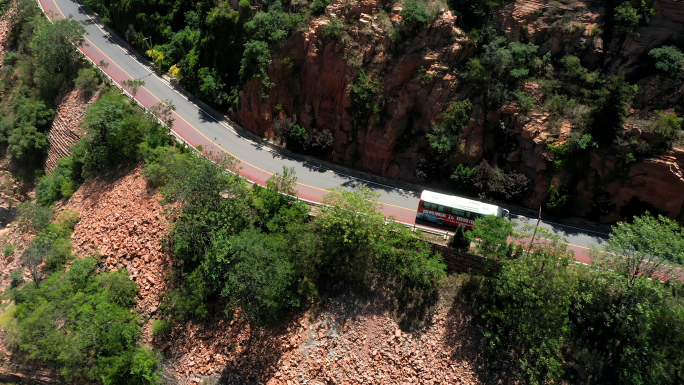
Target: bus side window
(441, 208)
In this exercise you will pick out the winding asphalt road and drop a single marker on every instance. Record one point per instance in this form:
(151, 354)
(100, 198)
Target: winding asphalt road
(258, 162)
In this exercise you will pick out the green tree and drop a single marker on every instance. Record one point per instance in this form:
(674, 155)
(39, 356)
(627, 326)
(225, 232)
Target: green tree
(460, 239)
(351, 225)
(669, 59)
(527, 321)
(53, 44)
(87, 81)
(476, 73)
(646, 247)
(28, 145)
(493, 233)
(34, 217)
(628, 18)
(415, 12)
(254, 273)
(366, 97)
(133, 85)
(406, 257)
(257, 55)
(610, 109)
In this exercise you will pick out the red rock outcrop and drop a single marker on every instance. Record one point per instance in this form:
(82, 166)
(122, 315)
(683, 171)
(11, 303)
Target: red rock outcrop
(575, 28)
(666, 26)
(658, 181)
(419, 78)
(316, 88)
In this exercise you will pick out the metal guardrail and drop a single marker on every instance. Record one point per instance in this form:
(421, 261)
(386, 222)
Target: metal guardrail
(445, 234)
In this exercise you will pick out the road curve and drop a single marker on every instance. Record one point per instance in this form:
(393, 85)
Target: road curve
(258, 163)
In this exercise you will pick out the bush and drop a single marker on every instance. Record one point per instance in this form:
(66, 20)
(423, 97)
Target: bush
(162, 327)
(34, 217)
(87, 81)
(610, 109)
(494, 181)
(415, 12)
(669, 59)
(460, 240)
(17, 277)
(448, 133)
(53, 244)
(9, 250)
(318, 6)
(668, 125)
(334, 29)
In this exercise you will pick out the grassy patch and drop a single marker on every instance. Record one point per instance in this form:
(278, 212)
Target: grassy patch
(7, 316)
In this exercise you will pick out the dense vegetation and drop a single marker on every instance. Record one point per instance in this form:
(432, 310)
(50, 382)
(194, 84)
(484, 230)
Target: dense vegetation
(253, 249)
(214, 49)
(41, 63)
(547, 320)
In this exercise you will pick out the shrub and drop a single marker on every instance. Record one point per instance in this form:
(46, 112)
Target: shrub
(318, 6)
(669, 59)
(415, 12)
(627, 18)
(460, 240)
(53, 244)
(610, 109)
(162, 327)
(17, 277)
(34, 217)
(87, 81)
(334, 29)
(257, 54)
(495, 182)
(668, 125)
(526, 102)
(9, 250)
(448, 133)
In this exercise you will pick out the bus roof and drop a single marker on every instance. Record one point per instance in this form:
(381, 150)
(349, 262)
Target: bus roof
(459, 203)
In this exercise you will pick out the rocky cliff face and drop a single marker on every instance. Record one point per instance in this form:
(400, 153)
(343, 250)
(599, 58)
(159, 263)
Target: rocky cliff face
(315, 89)
(419, 74)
